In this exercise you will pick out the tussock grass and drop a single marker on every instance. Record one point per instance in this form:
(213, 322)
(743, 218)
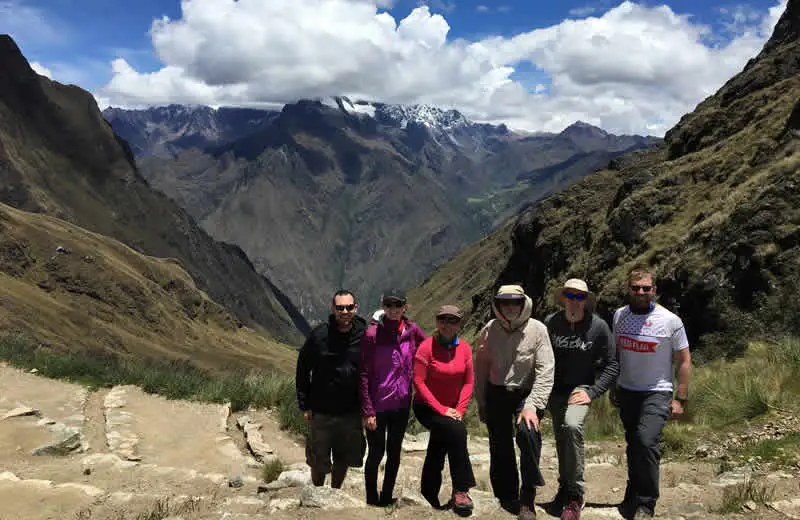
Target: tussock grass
(735, 497)
(272, 470)
(170, 379)
(678, 439)
(165, 508)
(602, 421)
(765, 378)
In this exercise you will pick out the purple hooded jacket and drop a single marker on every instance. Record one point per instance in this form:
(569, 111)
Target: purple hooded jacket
(387, 361)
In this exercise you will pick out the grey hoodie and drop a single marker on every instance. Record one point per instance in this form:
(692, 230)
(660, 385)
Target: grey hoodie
(515, 355)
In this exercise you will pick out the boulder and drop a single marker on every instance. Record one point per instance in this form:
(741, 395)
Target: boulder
(733, 477)
(327, 498)
(70, 443)
(293, 478)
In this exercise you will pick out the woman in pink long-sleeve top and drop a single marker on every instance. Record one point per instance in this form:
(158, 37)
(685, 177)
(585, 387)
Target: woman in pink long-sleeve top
(443, 382)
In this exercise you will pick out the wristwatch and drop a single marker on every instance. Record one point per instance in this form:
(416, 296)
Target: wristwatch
(682, 400)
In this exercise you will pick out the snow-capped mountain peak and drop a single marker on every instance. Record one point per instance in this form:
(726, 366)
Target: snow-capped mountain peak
(426, 115)
(400, 116)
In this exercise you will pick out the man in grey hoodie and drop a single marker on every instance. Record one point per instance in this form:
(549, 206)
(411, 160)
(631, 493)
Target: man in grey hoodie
(513, 378)
(583, 347)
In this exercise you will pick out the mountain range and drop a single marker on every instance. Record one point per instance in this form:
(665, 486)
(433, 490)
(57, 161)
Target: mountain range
(323, 193)
(337, 193)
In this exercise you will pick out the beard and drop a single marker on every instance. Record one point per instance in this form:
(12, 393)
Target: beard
(344, 321)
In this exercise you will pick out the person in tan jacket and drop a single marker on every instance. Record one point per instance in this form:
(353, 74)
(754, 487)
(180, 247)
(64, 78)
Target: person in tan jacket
(514, 368)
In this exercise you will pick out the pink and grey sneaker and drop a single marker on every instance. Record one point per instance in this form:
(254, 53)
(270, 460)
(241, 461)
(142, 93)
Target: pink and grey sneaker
(462, 503)
(572, 511)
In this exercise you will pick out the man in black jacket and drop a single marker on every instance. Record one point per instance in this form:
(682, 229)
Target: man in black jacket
(327, 392)
(586, 367)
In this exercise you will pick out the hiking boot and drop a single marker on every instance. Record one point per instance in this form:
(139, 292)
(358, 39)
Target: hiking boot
(510, 506)
(432, 499)
(642, 514)
(572, 511)
(372, 498)
(527, 513)
(386, 500)
(462, 503)
(559, 502)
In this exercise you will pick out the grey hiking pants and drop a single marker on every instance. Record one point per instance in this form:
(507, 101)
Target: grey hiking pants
(643, 415)
(568, 422)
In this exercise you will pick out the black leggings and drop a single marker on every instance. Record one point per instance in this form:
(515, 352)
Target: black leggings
(448, 438)
(386, 438)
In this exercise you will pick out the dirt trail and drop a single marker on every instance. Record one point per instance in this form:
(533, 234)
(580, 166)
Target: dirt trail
(141, 454)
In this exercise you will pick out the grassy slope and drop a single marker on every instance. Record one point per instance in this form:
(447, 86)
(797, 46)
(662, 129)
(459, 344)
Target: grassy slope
(104, 296)
(58, 156)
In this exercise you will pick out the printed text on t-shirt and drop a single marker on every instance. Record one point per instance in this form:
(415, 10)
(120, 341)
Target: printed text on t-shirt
(635, 345)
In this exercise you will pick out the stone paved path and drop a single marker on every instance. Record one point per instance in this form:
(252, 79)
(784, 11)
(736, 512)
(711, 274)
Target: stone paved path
(122, 454)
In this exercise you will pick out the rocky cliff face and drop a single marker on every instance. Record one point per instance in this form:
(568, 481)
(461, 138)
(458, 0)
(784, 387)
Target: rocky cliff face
(713, 210)
(58, 156)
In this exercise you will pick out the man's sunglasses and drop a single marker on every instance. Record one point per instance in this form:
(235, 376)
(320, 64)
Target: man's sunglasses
(575, 296)
(341, 308)
(642, 288)
(393, 304)
(450, 320)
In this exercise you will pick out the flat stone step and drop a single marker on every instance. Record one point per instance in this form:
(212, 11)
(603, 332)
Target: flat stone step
(153, 429)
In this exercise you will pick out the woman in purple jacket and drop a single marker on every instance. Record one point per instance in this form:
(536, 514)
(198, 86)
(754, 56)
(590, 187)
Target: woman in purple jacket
(387, 360)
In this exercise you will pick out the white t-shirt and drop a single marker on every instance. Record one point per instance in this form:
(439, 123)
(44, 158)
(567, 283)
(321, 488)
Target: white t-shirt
(646, 343)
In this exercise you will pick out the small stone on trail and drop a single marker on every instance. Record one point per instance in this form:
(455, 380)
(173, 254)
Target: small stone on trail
(704, 450)
(22, 411)
(87, 471)
(750, 505)
(615, 490)
(236, 482)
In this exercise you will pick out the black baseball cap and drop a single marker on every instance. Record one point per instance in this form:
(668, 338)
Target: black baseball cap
(394, 294)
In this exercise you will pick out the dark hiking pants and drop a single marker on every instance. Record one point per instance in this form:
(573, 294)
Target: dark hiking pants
(502, 409)
(448, 437)
(643, 415)
(387, 438)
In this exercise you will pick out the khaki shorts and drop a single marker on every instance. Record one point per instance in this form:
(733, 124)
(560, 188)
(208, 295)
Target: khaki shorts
(340, 437)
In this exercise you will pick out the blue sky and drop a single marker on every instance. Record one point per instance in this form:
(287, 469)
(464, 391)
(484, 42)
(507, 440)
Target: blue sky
(76, 41)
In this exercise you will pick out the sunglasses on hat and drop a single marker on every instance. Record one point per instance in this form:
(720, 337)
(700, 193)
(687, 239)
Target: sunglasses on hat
(450, 320)
(393, 304)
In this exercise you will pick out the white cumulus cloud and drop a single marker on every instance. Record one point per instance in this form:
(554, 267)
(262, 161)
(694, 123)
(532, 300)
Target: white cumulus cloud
(633, 69)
